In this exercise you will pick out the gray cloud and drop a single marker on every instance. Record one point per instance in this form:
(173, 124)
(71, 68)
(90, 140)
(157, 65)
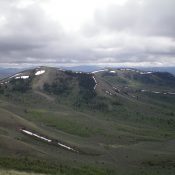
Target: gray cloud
(145, 18)
(139, 32)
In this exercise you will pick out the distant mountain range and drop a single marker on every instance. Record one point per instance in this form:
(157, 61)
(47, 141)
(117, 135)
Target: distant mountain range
(93, 68)
(159, 69)
(5, 72)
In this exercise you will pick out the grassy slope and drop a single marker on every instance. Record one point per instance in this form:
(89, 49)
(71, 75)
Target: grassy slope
(117, 139)
(135, 137)
(132, 79)
(12, 172)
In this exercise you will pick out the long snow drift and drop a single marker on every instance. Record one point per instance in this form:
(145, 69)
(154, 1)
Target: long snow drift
(35, 135)
(95, 82)
(46, 139)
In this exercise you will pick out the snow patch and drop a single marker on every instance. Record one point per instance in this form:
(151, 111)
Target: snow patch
(112, 71)
(143, 90)
(156, 92)
(25, 77)
(15, 75)
(108, 92)
(99, 71)
(128, 69)
(79, 72)
(22, 77)
(40, 72)
(144, 73)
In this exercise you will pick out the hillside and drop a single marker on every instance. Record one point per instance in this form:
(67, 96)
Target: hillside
(111, 121)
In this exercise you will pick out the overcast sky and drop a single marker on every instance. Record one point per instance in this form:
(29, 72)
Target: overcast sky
(87, 32)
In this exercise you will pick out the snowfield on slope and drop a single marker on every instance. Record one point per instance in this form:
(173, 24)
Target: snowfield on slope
(40, 72)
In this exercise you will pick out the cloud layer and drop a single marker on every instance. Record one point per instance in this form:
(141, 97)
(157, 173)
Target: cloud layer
(136, 32)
